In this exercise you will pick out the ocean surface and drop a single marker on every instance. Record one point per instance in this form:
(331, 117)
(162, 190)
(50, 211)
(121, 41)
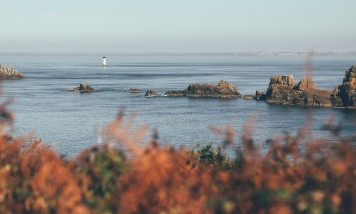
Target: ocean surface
(69, 122)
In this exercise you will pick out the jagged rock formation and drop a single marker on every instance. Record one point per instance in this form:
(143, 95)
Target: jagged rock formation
(133, 90)
(282, 90)
(282, 81)
(83, 88)
(345, 94)
(151, 93)
(306, 83)
(8, 73)
(224, 90)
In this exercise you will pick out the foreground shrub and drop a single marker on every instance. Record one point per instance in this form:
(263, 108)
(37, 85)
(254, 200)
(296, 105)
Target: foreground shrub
(33, 178)
(298, 174)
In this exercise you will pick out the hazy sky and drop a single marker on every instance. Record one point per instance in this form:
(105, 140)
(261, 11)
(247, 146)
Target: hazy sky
(176, 26)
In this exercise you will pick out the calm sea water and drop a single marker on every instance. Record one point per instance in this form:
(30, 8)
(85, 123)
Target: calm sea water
(69, 121)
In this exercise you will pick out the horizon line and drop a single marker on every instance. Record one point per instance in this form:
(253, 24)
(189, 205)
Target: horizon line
(207, 53)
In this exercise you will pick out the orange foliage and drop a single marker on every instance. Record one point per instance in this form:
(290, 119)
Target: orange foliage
(298, 174)
(161, 181)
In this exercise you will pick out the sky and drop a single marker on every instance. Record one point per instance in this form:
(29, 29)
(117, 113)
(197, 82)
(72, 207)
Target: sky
(176, 26)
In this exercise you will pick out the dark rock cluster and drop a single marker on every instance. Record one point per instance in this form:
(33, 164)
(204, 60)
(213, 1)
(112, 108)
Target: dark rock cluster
(224, 90)
(151, 93)
(260, 95)
(83, 88)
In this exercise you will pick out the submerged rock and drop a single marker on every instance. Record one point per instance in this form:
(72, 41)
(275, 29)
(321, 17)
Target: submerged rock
(133, 90)
(83, 88)
(345, 94)
(8, 73)
(248, 97)
(151, 93)
(282, 90)
(224, 90)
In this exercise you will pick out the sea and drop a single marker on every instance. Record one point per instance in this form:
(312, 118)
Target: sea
(70, 122)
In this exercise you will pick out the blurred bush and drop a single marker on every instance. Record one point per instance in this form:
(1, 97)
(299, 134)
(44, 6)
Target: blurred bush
(298, 174)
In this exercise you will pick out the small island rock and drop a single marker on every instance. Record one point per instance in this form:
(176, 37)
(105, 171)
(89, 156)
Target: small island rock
(282, 90)
(224, 90)
(83, 88)
(133, 90)
(8, 73)
(151, 93)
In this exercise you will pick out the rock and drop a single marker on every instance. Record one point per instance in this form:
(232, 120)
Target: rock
(260, 95)
(306, 83)
(282, 90)
(336, 97)
(83, 88)
(151, 93)
(248, 97)
(133, 90)
(176, 93)
(8, 73)
(285, 80)
(345, 94)
(224, 90)
(280, 87)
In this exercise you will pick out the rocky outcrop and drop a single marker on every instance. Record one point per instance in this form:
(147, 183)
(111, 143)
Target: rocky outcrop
(282, 81)
(151, 93)
(83, 88)
(8, 73)
(282, 90)
(224, 90)
(306, 83)
(345, 94)
(133, 90)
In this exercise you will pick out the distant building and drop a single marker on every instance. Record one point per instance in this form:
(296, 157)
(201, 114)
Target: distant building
(104, 61)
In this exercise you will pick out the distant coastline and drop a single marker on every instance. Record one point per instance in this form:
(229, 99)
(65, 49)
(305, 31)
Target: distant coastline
(237, 53)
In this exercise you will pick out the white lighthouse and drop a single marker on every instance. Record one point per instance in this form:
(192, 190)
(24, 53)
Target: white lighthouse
(104, 61)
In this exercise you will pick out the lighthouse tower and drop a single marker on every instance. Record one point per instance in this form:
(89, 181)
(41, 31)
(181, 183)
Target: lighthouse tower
(104, 61)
